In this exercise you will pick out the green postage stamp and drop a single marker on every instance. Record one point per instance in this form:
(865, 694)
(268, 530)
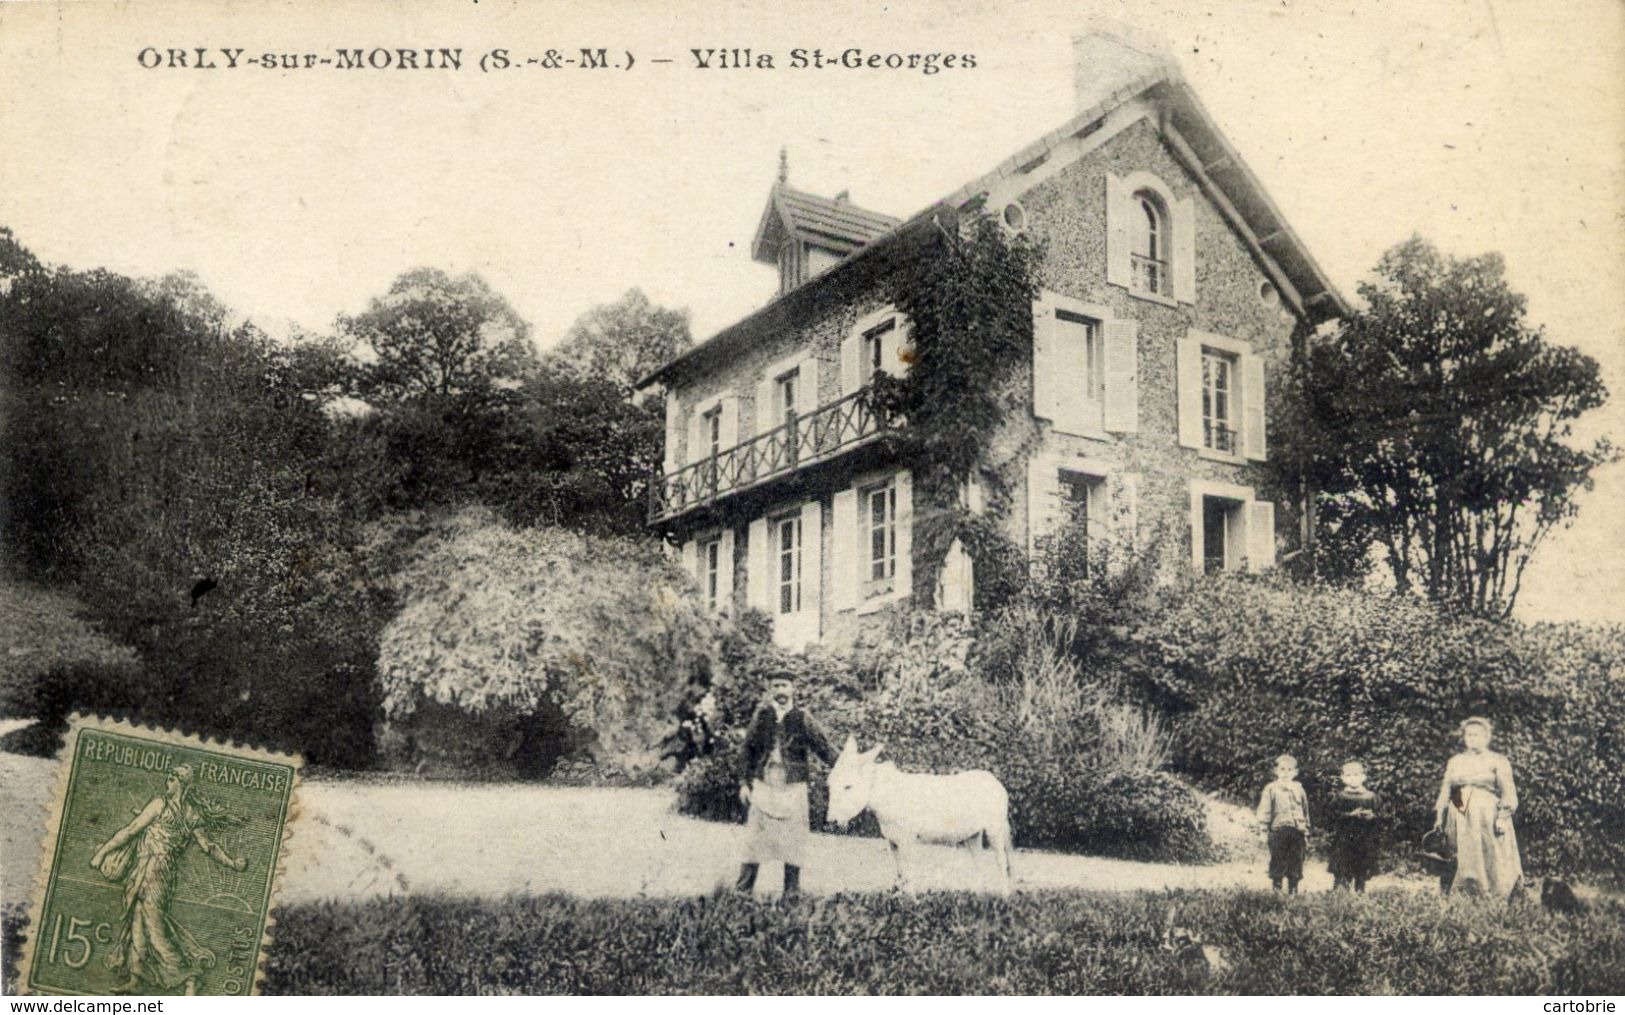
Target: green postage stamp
(159, 864)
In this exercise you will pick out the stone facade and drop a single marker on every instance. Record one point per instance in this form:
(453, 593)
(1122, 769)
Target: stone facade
(1216, 305)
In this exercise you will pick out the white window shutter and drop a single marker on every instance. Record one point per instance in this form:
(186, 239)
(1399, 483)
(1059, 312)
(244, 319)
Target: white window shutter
(1119, 269)
(1046, 386)
(730, 421)
(956, 585)
(851, 357)
(1184, 252)
(905, 534)
(758, 567)
(725, 568)
(691, 560)
(1252, 406)
(1126, 507)
(1124, 513)
(807, 399)
(812, 561)
(1188, 353)
(765, 417)
(843, 571)
(1122, 375)
(674, 432)
(902, 354)
(1260, 536)
(1043, 498)
(1197, 548)
(697, 449)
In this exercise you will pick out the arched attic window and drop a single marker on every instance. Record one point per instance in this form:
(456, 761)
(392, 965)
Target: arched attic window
(1150, 250)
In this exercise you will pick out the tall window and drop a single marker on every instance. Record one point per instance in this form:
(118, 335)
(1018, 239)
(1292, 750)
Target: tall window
(878, 508)
(1219, 408)
(1223, 534)
(1082, 500)
(877, 341)
(785, 391)
(1150, 250)
(786, 535)
(711, 571)
(1081, 344)
(711, 424)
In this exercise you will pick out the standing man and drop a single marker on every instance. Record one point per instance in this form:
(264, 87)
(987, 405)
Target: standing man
(775, 787)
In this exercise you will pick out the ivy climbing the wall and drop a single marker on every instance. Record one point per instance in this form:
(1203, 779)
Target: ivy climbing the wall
(968, 298)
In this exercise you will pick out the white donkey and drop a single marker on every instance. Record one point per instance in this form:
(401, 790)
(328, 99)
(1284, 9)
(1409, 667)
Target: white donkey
(969, 809)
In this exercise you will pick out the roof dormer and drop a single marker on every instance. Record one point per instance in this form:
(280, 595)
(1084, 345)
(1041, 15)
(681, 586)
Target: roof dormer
(804, 234)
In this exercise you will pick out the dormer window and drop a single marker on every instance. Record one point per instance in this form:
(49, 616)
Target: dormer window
(806, 235)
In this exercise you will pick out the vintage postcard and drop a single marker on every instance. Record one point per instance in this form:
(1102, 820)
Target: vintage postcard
(160, 864)
(855, 497)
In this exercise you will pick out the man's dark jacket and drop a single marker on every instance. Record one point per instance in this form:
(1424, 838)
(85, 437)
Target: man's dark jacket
(798, 734)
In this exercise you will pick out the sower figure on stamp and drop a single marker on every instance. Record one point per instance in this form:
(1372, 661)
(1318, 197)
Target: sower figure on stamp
(775, 788)
(152, 947)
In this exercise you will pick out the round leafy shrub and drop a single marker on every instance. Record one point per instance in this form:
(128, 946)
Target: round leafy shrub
(515, 649)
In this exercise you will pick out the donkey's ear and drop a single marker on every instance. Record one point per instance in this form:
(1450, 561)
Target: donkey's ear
(874, 752)
(851, 745)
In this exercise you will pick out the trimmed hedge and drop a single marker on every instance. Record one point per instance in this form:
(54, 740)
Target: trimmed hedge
(947, 943)
(1253, 668)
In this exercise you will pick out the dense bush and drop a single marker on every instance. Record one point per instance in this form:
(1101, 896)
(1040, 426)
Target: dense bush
(55, 662)
(1080, 777)
(1255, 668)
(516, 648)
(949, 943)
(167, 466)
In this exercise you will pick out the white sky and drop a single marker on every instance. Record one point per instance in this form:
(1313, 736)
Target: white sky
(1483, 125)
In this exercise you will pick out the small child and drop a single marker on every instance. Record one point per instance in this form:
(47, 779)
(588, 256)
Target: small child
(1356, 832)
(1284, 812)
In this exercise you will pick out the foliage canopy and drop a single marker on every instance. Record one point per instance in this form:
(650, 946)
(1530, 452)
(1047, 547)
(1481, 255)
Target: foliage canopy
(1438, 426)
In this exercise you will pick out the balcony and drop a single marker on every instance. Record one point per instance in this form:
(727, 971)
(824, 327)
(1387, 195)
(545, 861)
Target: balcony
(822, 434)
(1221, 438)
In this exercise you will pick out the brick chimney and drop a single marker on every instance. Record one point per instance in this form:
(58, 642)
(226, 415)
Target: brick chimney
(1110, 57)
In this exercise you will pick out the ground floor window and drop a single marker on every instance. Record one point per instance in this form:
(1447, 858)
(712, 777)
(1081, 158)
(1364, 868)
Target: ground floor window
(877, 507)
(711, 571)
(1223, 534)
(786, 540)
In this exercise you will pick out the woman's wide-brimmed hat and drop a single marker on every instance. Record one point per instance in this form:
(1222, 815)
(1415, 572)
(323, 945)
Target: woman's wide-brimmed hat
(1434, 852)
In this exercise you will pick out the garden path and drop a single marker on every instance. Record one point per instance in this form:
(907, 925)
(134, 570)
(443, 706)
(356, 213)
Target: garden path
(360, 838)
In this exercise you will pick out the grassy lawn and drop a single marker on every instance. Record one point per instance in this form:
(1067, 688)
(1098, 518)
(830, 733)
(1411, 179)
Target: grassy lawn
(1043, 942)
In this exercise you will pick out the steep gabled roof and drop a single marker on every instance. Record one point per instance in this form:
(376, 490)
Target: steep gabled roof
(1218, 169)
(1190, 132)
(832, 223)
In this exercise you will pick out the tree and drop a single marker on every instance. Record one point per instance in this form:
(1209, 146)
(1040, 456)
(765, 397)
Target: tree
(624, 341)
(440, 337)
(1443, 427)
(450, 357)
(159, 459)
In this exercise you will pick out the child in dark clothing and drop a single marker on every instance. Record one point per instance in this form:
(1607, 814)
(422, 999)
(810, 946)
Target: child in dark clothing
(1356, 831)
(1284, 812)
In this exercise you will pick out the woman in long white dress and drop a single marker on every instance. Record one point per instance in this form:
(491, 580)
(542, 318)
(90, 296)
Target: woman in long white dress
(1475, 806)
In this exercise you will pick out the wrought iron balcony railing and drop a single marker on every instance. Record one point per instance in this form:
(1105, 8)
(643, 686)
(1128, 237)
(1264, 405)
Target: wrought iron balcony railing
(1150, 274)
(1221, 438)
(821, 434)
